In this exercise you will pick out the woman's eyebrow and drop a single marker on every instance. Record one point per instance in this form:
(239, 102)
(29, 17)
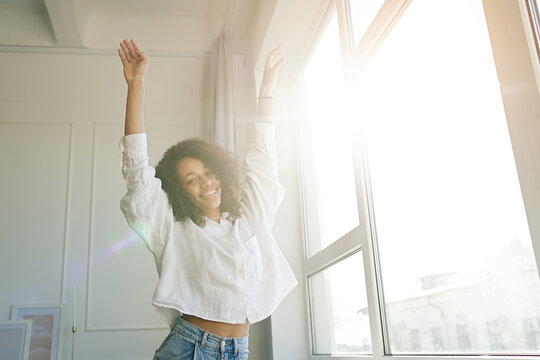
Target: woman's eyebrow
(189, 173)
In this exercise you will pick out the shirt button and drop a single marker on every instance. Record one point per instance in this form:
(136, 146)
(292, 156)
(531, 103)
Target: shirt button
(240, 271)
(244, 298)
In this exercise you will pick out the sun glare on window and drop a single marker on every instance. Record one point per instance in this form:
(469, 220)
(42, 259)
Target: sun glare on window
(328, 176)
(457, 263)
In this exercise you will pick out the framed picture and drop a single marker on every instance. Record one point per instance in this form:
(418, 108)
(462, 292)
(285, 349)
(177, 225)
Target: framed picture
(45, 339)
(15, 339)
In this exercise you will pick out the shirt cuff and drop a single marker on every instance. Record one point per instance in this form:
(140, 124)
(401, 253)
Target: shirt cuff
(265, 133)
(134, 145)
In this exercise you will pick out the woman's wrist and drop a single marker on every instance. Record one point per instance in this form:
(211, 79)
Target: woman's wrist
(136, 82)
(265, 91)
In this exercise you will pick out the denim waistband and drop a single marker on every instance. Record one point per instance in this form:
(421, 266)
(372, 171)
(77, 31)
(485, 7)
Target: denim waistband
(209, 340)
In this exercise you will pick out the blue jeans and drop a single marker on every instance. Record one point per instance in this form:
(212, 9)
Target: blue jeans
(187, 341)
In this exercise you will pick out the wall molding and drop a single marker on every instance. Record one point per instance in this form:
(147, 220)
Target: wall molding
(88, 51)
(68, 193)
(89, 327)
(67, 214)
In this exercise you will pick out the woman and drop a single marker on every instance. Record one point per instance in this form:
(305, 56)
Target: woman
(219, 267)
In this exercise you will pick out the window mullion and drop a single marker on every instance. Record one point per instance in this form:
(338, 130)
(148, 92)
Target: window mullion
(532, 13)
(345, 29)
(381, 25)
(521, 102)
(368, 240)
(334, 252)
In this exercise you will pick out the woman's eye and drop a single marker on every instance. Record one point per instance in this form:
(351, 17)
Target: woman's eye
(191, 181)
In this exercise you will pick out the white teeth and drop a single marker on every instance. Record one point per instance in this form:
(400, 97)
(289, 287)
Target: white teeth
(210, 193)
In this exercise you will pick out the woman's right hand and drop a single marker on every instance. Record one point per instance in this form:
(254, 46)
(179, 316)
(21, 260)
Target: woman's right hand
(134, 60)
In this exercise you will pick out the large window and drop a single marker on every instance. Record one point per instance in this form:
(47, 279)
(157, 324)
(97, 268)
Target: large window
(417, 238)
(331, 208)
(337, 291)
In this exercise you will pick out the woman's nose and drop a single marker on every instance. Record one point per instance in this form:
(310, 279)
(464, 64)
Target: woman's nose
(207, 181)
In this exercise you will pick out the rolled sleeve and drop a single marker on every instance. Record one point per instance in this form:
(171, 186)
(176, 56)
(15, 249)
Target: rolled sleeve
(145, 205)
(262, 192)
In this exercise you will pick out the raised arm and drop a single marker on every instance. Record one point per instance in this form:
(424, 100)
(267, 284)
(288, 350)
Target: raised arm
(262, 192)
(273, 62)
(145, 205)
(135, 65)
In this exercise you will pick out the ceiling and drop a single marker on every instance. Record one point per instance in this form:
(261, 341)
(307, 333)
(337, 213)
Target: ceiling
(185, 25)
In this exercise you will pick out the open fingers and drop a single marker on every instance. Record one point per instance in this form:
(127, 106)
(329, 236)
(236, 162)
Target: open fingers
(137, 50)
(276, 54)
(122, 57)
(125, 52)
(128, 50)
(279, 62)
(135, 46)
(131, 49)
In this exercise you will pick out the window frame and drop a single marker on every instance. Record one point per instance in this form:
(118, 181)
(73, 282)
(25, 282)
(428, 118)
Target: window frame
(363, 237)
(520, 91)
(534, 19)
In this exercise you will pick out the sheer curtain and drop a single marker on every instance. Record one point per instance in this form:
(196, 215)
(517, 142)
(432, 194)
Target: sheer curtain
(221, 127)
(219, 122)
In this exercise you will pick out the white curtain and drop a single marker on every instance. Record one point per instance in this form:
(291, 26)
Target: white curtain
(220, 125)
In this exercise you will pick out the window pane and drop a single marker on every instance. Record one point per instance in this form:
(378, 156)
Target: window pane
(328, 177)
(339, 308)
(362, 14)
(457, 263)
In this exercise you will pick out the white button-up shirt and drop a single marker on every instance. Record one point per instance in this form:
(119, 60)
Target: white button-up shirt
(222, 272)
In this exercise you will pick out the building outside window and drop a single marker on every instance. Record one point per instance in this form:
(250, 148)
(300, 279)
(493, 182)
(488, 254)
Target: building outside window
(414, 340)
(464, 340)
(532, 332)
(437, 340)
(495, 330)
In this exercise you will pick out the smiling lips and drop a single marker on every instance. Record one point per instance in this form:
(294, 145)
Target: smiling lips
(209, 193)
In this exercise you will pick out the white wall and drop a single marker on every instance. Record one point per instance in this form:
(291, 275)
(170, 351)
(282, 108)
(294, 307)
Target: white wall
(61, 117)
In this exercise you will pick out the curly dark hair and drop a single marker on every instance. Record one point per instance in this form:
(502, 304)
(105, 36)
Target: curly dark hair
(215, 158)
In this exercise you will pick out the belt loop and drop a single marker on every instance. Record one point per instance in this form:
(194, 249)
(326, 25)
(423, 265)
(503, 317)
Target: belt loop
(235, 344)
(203, 341)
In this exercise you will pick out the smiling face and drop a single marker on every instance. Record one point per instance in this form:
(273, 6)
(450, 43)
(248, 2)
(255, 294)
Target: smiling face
(201, 184)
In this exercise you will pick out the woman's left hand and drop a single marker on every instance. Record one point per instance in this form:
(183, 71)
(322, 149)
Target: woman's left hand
(275, 59)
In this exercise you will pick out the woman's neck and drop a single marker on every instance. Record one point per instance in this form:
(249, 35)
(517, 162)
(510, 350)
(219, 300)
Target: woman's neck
(214, 215)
